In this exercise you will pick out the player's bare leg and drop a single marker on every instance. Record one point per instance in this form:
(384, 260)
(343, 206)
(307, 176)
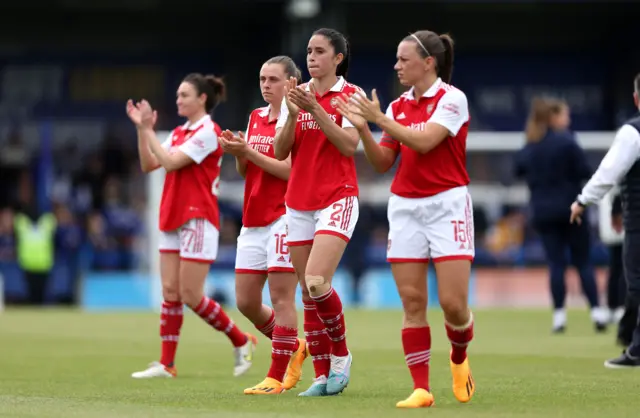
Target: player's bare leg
(282, 287)
(192, 278)
(249, 289)
(324, 258)
(453, 293)
(170, 318)
(287, 352)
(411, 282)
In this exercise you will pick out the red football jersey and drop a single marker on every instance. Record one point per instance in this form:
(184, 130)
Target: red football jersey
(263, 192)
(444, 167)
(320, 174)
(192, 192)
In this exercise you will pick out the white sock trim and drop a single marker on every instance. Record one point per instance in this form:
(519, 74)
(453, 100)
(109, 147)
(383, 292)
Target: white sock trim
(461, 327)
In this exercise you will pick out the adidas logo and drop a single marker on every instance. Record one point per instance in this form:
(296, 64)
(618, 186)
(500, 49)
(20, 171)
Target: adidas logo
(469, 385)
(402, 116)
(281, 259)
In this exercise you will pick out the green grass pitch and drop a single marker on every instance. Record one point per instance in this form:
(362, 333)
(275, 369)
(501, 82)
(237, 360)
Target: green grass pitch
(60, 363)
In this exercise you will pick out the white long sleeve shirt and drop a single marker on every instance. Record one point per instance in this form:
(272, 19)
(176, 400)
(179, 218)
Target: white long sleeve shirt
(608, 235)
(624, 152)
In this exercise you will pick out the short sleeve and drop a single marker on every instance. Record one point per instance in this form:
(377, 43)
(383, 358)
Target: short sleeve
(246, 132)
(452, 111)
(386, 140)
(166, 144)
(346, 123)
(201, 144)
(284, 114)
(389, 112)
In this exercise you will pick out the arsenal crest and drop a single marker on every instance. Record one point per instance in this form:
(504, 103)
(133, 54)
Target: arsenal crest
(429, 109)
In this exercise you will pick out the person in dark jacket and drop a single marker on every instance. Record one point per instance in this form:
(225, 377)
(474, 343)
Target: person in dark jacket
(554, 168)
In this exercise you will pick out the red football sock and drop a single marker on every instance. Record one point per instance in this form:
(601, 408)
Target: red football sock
(170, 323)
(283, 346)
(417, 353)
(460, 337)
(329, 309)
(213, 314)
(267, 328)
(318, 340)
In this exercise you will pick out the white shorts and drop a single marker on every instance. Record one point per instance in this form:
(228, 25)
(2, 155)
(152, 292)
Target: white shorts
(196, 240)
(264, 249)
(438, 227)
(338, 219)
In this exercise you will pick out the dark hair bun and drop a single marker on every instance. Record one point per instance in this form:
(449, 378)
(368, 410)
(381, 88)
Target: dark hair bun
(219, 87)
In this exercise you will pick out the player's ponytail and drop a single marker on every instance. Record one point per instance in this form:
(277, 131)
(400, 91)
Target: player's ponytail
(340, 46)
(343, 67)
(445, 68)
(218, 92)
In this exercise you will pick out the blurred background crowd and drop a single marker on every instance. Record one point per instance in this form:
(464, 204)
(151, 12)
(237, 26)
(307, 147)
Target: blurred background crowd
(69, 150)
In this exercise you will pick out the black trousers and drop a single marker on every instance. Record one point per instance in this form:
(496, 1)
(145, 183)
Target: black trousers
(37, 285)
(616, 285)
(566, 244)
(617, 295)
(631, 257)
(628, 322)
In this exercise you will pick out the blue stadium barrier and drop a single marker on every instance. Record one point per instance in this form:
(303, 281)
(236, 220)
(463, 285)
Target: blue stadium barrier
(127, 291)
(116, 291)
(100, 291)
